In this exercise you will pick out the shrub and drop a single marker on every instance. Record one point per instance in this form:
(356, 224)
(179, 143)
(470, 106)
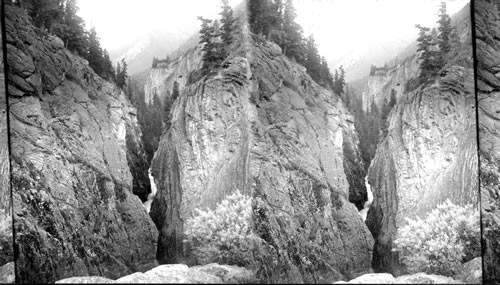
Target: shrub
(225, 235)
(438, 244)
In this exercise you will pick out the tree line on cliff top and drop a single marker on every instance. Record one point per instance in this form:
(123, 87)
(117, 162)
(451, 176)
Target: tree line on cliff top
(275, 21)
(59, 18)
(434, 45)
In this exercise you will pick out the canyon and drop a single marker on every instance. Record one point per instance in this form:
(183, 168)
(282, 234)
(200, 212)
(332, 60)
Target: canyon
(87, 202)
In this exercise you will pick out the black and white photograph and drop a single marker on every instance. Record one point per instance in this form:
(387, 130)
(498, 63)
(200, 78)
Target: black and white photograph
(250, 141)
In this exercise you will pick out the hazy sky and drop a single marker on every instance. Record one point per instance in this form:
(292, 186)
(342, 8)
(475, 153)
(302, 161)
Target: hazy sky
(119, 22)
(339, 26)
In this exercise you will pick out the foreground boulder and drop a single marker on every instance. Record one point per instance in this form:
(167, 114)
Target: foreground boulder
(178, 273)
(471, 272)
(387, 278)
(74, 210)
(7, 274)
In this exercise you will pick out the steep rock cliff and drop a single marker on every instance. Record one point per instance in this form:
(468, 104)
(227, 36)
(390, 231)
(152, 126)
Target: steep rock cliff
(429, 154)
(74, 210)
(393, 80)
(262, 126)
(488, 91)
(161, 78)
(6, 234)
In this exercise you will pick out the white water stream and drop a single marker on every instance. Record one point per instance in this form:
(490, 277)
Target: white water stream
(364, 211)
(151, 195)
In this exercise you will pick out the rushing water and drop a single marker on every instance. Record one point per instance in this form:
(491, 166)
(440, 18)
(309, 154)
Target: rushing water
(364, 211)
(151, 195)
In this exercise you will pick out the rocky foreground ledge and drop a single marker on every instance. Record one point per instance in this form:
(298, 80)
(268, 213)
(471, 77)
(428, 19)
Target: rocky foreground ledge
(214, 273)
(178, 273)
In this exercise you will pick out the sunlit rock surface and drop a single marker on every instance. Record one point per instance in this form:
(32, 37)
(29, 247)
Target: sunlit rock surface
(72, 142)
(262, 126)
(487, 14)
(393, 80)
(429, 154)
(387, 278)
(178, 273)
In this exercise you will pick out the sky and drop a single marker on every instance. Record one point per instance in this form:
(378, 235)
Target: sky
(340, 27)
(119, 22)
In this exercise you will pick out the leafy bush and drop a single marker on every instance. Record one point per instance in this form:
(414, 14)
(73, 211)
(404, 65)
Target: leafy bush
(438, 244)
(224, 236)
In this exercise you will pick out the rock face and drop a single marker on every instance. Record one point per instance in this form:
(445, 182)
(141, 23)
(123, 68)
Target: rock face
(161, 78)
(487, 15)
(428, 156)
(383, 83)
(6, 234)
(75, 213)
(262, 126)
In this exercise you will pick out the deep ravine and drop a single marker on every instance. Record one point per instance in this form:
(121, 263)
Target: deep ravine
(426, 149)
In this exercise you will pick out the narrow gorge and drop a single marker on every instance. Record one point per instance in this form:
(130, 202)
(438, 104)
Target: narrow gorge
(107, 183)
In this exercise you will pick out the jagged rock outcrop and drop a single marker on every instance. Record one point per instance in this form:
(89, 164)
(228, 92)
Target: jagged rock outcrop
(74, 210)
(429, 154)
(263, 127)
(487, 16)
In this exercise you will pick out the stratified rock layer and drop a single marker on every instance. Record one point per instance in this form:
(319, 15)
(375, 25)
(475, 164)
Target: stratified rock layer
(429, 154)
(74, 210)
(487, 16)
(262, 126)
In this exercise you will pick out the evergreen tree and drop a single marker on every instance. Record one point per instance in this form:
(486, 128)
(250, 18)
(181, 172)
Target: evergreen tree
(444, 29)
(293, 42)
(94, 55)
(121, 75)
(227, 27)
(71, 29)
(424, 47)
(255, 10)
(44, 13)
(341, 79)
(108, 70)
(263, 16)
(313, 61)
(326, 76)
(118, 71)
(212, 47)
(336, 82)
